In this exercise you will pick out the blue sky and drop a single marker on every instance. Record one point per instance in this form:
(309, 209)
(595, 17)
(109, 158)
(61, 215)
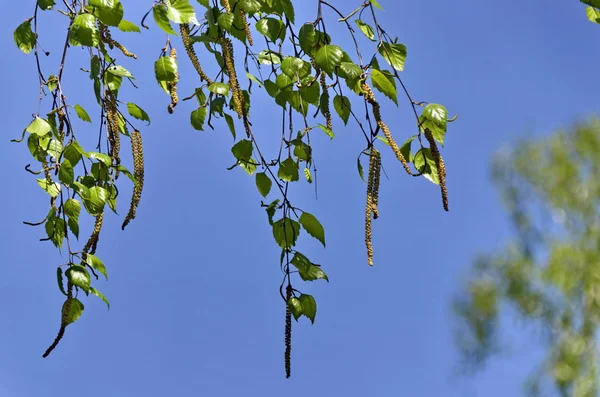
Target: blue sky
(193, 282)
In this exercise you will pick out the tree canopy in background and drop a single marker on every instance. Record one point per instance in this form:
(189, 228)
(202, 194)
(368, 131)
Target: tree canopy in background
(549, 275)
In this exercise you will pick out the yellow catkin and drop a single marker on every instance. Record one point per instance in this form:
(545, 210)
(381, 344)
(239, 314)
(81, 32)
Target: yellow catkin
(374, 177)
(288, 334)
(64, 321)
(439, 162)
(138, 173)
(61, 123)
(325, 102)
(370, 97)
(92, 243)
(246, 26)
(106, 38)
(113, 130)
(172, 86)
(368, 221)
(189, 49)
(226, 5)
(237, 97)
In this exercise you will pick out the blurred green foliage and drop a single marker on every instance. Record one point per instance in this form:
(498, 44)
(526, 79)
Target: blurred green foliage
(549, 274)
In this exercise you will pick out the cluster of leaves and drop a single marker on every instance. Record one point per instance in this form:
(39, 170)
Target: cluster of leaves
(592, 10)
(300, 66)
(549, 275)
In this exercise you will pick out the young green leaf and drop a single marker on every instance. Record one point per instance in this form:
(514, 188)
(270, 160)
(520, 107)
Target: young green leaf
(96, 264)
(376, 4)
(100, 295)
(435, 118)
(342, 107)
(394, 54)
(329, 57)
(197, 118)
(52, 188)
(84, 31)
(366, 29)
(289, 170)
(137, 112)
(286, 232)
(295, 307)
(263, 183)
(165, 69)
(38, 126)
(126, 26)
(242, 150)
(159, 12)
(82, 114)
(111, 15)
(384, 83)
(45, 5)
(66, 174)
(79, 277)
(309, 306)
(312, 226)
(181, 12)
(327, 131)
(75, 310)
(60, 281)
(219, 88)
(24, 37)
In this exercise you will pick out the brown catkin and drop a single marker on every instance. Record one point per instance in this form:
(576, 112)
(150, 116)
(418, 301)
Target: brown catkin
(236, 94)
(439, 162)
(113, 130)
(61, 123)
(325, 102)
(226, 5)
(246, 27)
(172, 86)
(64, 321)
(92, 243)
(138, 173)
(288, 333)
(370, 97)
(106, 38)
(374, 177)
(189, 49)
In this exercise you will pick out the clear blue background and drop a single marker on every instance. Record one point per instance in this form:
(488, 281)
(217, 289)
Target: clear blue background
(194, 280)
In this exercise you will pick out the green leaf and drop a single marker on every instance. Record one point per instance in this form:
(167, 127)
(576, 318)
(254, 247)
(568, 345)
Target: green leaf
(24, 37)
(126, 26)
(286, 232)
(295, 68)
(329, 57)
(79, 276)
(112, 15)
(75, 310)
(269, 57)
(197, 118)
(394, 54)
(312, 226)
(289, 170)
(45, 5)
(242, 150)
(82, 114)
(230, 124)
(384, 83)
(435, 118)
(270, 27)
(39, 126)
(73, 152)
(59, 279)
(66, 174)
(159, 12)
(263, 183)
(309, 306)
(426, 165)
(295, 307)
(103, 158)
(327, 131)
(72, 208)
(165, 69)
(94, 198)
(120, 71)
(51, 188)
(181, 12)
(96, 264)
(406, 148)
(342, 107)
(376, 4)
(56, 230)
(593, 14)
(84, 31)
(307, 38)
(137, 112)
(74, 226)
(100, 295)
(271, 209)
(307, 175)
(219, 88)
(361, 171)
(366, 29)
